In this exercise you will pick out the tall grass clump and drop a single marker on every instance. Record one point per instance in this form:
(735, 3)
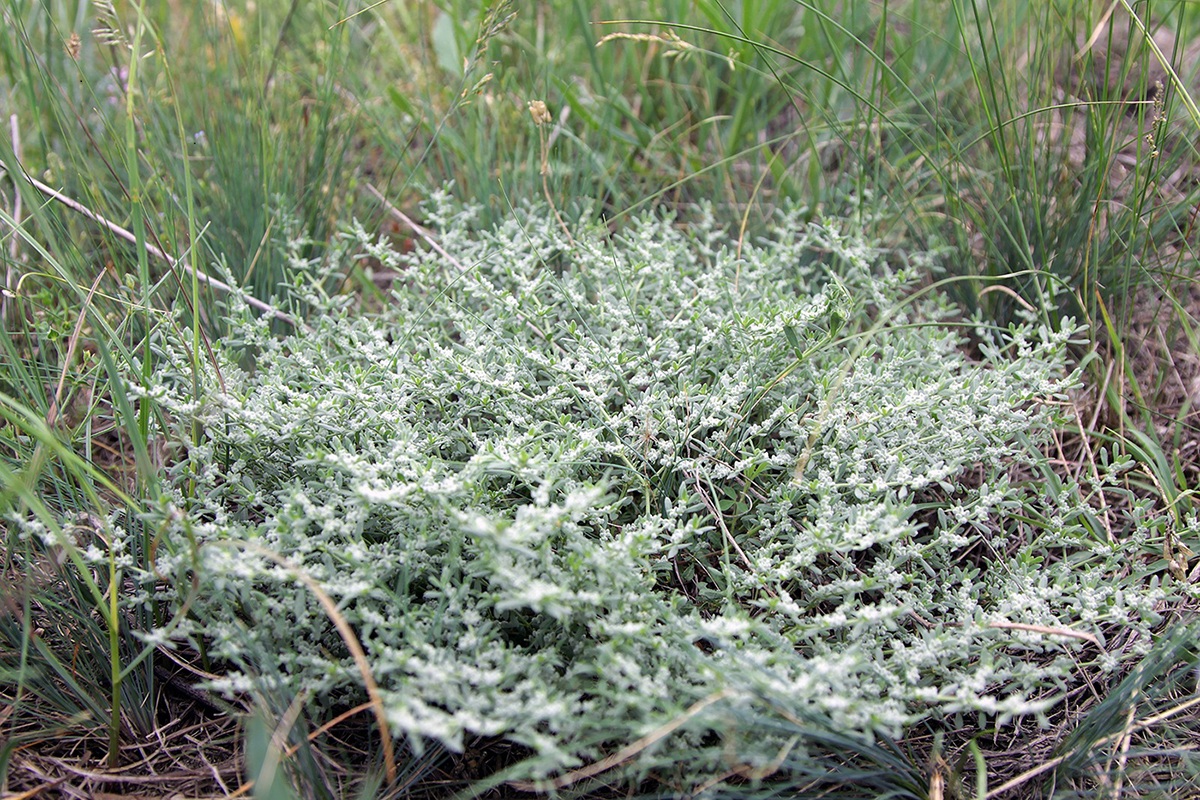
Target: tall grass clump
(1032, 141)
(1048, 149)
(198, 128)
(574, 493)
(113, 172)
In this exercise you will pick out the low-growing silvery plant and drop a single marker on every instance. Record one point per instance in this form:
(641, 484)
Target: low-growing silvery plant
(570, 491)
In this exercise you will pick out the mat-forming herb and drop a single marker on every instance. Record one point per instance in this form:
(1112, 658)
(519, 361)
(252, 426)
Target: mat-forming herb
(563, 490)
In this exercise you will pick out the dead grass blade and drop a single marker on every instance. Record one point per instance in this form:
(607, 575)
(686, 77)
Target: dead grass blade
(352, 644)
(1121, 735)
(622, 755)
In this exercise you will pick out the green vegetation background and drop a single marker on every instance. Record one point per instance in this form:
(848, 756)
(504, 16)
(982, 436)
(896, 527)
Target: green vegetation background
(203, 143)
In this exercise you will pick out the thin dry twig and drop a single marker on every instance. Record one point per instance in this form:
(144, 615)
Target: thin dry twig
(29, 794)
(999, 287)
(454, 262)
(720, 518)
(417, 229)
(124, 776)
(1050, 631)
(14, 245)
(153, 250)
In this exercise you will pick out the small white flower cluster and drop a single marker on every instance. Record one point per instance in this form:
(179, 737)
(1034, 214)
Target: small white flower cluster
(567, 491)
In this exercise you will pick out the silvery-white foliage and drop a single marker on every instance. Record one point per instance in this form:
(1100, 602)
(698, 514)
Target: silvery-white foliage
(562, 490)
